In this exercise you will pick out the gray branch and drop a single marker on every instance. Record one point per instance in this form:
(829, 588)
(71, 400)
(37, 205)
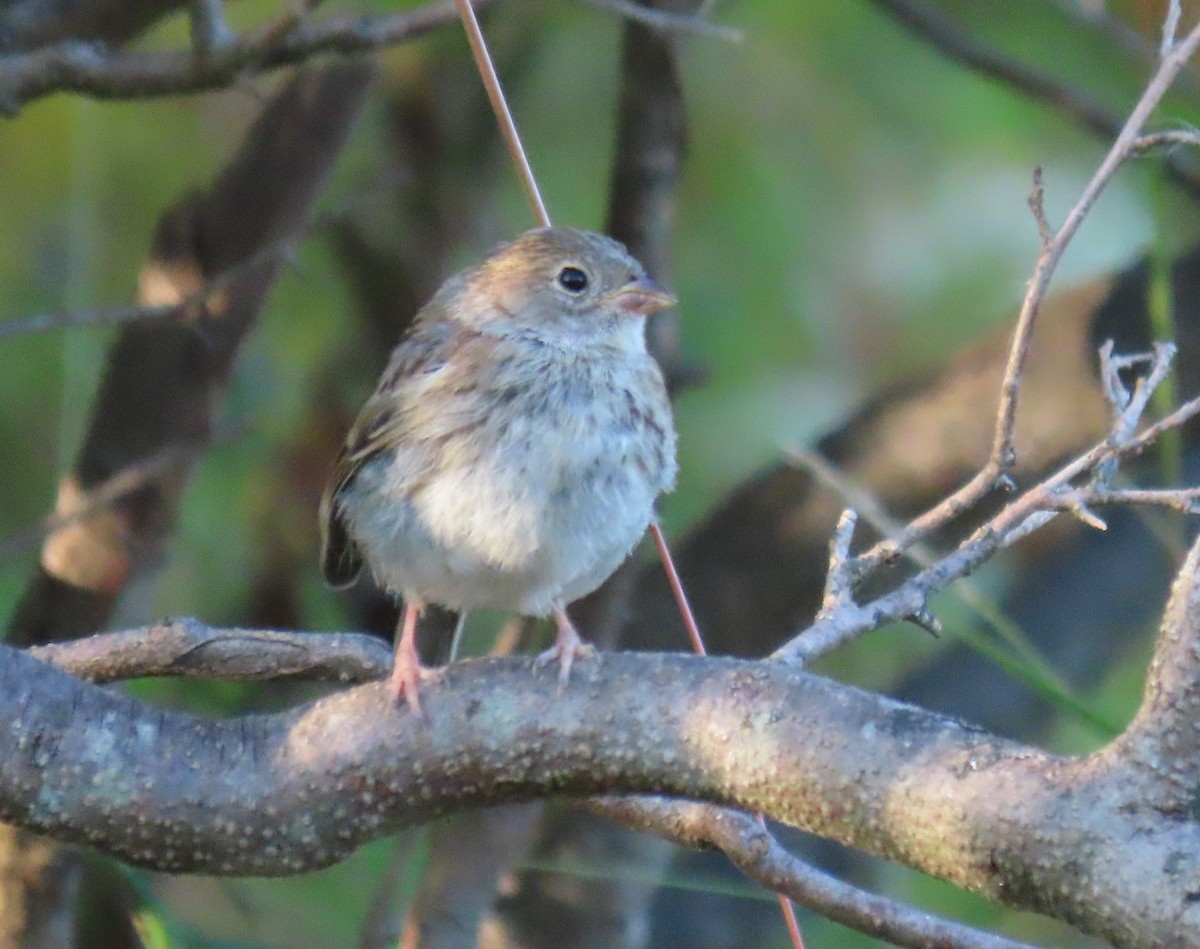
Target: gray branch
(289, 792)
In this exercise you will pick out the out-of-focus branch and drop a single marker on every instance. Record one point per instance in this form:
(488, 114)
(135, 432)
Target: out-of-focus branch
(163, 381)
(91, 70)
(667, 22)
(125, 482)
(931, 26)
(162, 378)
(27, 24)
(756, 852)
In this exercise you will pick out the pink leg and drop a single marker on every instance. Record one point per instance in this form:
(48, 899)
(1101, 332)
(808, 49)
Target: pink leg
(407, 671)
(566, 649)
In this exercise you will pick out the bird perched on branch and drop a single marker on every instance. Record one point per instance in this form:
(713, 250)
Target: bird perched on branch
(512, 452)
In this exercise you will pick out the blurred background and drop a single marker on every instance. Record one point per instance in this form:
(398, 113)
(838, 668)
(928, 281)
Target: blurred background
(852, 214)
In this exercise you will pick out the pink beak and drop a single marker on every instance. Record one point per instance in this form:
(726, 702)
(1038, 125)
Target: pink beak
(641, 297)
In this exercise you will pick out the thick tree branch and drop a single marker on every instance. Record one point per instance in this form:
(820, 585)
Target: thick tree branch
(1162, 744)
(292, 791)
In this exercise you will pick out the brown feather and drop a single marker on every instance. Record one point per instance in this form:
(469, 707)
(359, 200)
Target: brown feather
(378, 427)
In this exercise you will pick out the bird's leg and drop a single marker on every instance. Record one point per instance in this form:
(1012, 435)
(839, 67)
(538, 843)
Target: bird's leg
(460, 624)
(566, 649)
(407, 671)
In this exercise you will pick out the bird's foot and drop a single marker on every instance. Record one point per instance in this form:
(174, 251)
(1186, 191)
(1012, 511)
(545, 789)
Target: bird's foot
(407, 676)
(566, 649)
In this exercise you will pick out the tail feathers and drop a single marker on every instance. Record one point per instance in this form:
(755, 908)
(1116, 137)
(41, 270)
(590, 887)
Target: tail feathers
(341, 560)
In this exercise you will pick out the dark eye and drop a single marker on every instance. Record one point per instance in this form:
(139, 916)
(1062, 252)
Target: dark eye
(572, 279)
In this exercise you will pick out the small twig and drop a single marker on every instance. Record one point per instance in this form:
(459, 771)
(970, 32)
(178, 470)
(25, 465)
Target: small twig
(1170, 27)
(1037, 204)
(291, 19)
(133, 313)
(508, 128)
(1156, 140)
(677, 591)
(187, 648)
(1003, 455)
(283, 250)
(663, 21)
(1031, 510)
(1129, 407)
(1030, 666)
(839, 580)
(752, 848)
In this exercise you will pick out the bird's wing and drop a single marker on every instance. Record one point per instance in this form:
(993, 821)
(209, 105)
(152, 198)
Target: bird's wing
(380, 427)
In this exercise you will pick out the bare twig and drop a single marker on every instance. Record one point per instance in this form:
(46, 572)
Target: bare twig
(1156, 140)
(1003, 454)
(1030, 666)
(839, 583)
(139, 312)
(754, 850)
(1170, 26)
(1031, 510)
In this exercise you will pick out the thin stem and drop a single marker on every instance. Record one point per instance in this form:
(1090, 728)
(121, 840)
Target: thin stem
(508, 128)
(685, 608)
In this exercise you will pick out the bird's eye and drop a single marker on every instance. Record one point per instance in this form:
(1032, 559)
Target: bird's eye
(572, 279)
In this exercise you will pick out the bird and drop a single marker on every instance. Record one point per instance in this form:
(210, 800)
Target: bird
(513, 451)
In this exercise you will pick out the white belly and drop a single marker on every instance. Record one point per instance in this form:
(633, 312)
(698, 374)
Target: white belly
(536, 518)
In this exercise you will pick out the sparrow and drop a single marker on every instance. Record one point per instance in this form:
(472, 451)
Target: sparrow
(513, 450)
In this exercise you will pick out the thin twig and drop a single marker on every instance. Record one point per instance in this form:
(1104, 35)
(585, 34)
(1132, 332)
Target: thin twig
(677, 591)
(1170, 26)
(133, 312)
(1003, 454)
(282, 250)
(1029, 665)
(1031, 510)
(508, 128)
